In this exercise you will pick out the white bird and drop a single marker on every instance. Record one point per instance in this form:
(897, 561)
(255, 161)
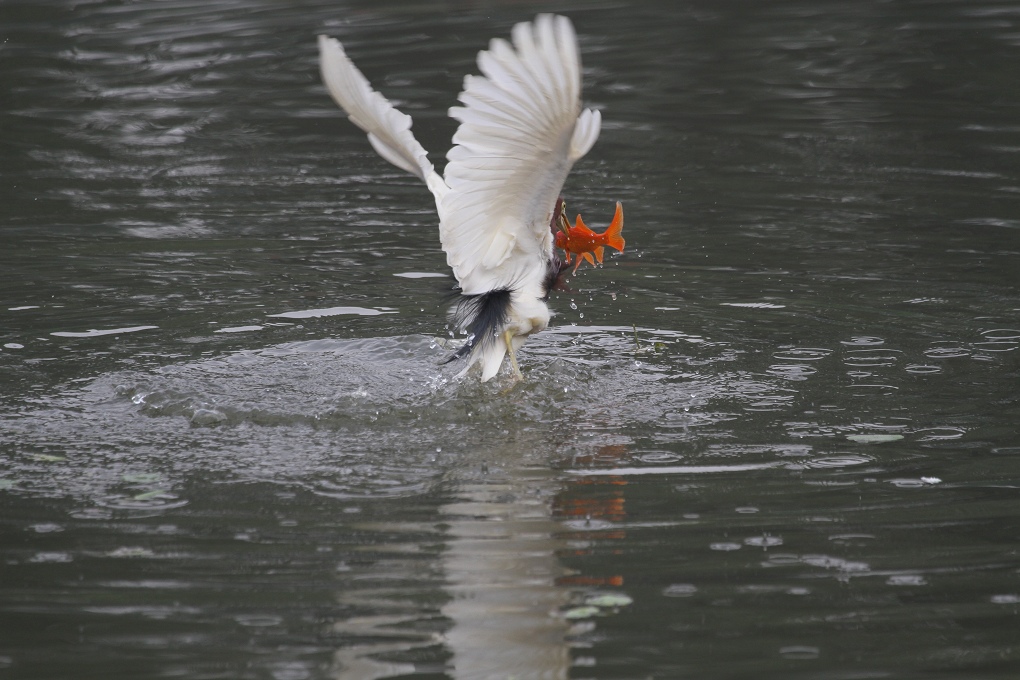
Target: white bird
(521, 129)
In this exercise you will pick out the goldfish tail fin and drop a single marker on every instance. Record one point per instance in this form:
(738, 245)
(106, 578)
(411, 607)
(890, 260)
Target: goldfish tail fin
(614, 234)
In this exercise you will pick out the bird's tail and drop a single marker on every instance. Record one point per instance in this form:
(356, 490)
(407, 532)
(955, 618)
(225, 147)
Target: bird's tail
(481, 317)
(614, 234)
(388, 130)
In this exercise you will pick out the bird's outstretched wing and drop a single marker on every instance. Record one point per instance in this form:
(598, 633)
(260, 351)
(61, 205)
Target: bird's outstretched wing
(389, 130)
(521, 129)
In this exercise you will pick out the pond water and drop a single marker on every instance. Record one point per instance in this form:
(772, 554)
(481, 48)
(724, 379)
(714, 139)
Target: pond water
(779, 437)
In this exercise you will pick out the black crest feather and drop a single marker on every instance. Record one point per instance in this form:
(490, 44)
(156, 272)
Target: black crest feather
(554, 276)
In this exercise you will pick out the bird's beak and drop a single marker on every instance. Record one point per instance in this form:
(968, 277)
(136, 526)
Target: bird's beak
(561, 219)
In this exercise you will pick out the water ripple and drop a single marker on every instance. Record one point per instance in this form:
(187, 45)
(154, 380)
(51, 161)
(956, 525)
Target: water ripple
(792, 371)
(841, 461)
(802, 354)
(871, 357)
(947, 351)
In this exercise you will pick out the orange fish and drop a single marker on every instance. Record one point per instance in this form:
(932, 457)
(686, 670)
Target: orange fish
(581, 241)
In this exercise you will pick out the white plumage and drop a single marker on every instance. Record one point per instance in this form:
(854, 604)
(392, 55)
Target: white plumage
(521, 129)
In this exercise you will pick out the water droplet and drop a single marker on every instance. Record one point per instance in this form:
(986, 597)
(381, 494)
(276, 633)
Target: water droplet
(581, 612)
(947, 351)
(799, 652)
(1011, 598)
(724, 546)
(679, 590)
(874, 438)
(765, 541)
(863, 341)
(609, 600)
(51, 557)
(258, 620)
(838, 461)
(130, 552)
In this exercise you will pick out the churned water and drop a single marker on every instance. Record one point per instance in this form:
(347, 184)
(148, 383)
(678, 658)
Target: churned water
(779, 437)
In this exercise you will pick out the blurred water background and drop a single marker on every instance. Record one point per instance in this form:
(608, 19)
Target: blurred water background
(778, 438)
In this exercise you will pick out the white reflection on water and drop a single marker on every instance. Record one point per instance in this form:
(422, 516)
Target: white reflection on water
(107, 331)
(500, 572)
(501, 566)
(333, 311)
(676, 469)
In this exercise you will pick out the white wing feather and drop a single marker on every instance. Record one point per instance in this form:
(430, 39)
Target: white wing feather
(389, 130)
(521, 129)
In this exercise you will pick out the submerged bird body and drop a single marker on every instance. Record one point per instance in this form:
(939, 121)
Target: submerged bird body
(521, 129)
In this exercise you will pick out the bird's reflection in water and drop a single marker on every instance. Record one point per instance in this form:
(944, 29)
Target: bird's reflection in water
(506, 529)
(509, 589)
(502, 570)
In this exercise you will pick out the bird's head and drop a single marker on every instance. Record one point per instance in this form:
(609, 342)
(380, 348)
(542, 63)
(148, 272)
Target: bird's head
(558, 223)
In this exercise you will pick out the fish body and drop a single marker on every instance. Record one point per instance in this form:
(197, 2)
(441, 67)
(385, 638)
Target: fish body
(580, 241)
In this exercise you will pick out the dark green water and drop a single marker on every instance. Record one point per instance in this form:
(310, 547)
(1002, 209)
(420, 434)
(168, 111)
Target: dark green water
(778, 438)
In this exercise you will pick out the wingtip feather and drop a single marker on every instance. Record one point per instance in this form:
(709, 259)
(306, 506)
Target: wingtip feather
(389, 130)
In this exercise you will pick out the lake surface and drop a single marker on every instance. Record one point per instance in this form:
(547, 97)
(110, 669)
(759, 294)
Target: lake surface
(779, 437)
